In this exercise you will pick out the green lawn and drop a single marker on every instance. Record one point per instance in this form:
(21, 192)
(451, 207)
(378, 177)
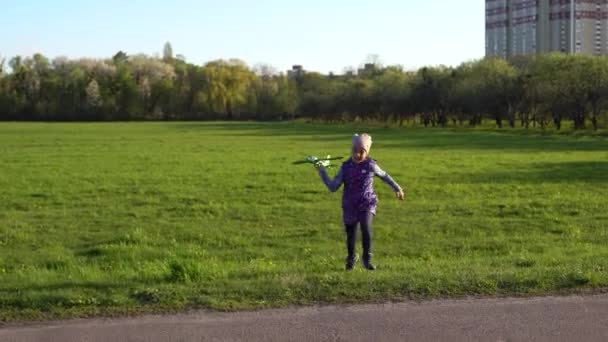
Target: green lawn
(121, 218)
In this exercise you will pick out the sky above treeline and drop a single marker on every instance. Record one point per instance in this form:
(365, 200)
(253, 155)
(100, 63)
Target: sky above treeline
(321, 35)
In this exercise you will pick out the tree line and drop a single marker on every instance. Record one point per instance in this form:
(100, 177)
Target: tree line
(535, 90)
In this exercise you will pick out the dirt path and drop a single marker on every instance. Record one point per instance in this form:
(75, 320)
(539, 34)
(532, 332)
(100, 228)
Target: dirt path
(574, 318)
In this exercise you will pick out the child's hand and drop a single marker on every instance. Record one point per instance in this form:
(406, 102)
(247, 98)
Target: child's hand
(400, 195)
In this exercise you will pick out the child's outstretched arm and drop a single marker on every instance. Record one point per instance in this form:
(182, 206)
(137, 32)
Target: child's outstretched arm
(389, 180)
(332, 184)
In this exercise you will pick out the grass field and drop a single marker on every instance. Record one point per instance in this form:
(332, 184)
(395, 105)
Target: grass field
(121, 218)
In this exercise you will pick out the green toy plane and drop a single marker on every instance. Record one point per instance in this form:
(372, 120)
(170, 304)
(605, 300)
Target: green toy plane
(325, 162)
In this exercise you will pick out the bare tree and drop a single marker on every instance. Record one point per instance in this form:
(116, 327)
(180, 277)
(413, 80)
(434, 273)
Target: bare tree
(265, 70)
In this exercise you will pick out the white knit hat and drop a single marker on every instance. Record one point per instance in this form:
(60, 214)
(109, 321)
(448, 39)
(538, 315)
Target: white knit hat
(364, 141)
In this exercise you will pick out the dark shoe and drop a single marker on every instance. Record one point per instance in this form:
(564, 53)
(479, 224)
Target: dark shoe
(367, 262)
(351, 261)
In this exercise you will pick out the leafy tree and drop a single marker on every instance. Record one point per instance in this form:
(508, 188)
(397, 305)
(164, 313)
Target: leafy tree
(597, 101)
(167, 52)
(536, 90)
(226, 86)
(497, 80)
(391, 91)
(432, 94)
(120, 57)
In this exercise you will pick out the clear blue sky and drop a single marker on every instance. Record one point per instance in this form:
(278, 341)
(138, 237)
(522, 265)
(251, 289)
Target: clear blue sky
(323, 35)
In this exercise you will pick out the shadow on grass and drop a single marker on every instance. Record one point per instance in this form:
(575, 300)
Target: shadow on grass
(562, 172)
(407, 138)
(83, 293)
(65, 285)
(498, 141)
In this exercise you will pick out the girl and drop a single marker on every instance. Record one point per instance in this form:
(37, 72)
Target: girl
(359, 200)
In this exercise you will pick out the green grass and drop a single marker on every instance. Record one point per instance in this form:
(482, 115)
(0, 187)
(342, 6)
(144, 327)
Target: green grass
(122, 218)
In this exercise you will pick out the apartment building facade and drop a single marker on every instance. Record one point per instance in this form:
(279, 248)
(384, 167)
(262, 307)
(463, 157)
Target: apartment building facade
(523, 27)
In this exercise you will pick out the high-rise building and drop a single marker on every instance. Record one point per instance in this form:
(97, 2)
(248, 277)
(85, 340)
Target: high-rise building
(521, 27)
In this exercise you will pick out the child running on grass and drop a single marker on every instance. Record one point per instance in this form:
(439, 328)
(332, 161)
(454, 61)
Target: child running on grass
(359, 200)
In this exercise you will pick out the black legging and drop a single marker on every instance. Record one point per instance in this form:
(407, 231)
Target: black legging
(365, 221)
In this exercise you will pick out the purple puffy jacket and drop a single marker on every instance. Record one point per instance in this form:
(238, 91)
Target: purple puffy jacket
(358, 179)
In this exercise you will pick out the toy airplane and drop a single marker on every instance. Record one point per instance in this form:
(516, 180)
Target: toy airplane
(325, 162)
